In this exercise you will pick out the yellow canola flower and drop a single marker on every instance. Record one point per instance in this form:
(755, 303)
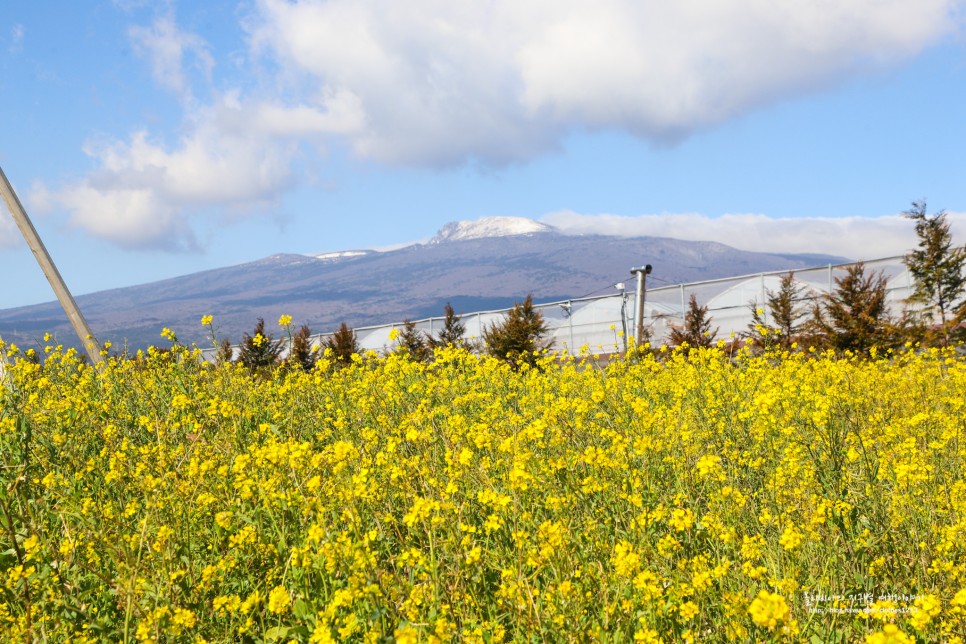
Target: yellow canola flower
(925, 608)
(768, 610)
(709, 466)
(682, 519)
(226, 604)
(30, 546)
(625, 560)
(790, 539)
(182, 619)
(406, 635)
(395, 495)
(687, 611)
(890, 634)
(647, 636)
(279, 600)
(474, 555)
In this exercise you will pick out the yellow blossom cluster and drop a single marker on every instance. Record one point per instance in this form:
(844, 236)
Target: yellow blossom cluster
(697, 497)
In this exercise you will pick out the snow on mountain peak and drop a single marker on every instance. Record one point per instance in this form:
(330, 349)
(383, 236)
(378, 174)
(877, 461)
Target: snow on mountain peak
(489, 227)
(342, 254)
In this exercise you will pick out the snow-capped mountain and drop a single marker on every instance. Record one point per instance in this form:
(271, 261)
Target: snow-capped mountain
(475, 266)
(342, 254)
(489, 227)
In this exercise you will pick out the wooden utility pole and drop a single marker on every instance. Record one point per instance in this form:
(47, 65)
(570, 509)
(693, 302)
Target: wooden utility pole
(36, 246)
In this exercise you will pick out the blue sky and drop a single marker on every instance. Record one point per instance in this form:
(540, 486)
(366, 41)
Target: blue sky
(153, 139)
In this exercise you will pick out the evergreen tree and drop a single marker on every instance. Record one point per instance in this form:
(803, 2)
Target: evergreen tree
(413, 342)
(519, 336)
(226, 352)
(260, 350)
(816, 331)
(786, 315)
(855, 317)
(302, 354)
(343, 344)
(453, 330)
(937, 267)
(696, 330)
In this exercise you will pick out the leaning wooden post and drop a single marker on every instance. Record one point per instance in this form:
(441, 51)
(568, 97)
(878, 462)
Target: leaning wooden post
(30, 235)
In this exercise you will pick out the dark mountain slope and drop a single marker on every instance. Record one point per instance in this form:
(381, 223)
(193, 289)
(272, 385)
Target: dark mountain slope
(375, 288)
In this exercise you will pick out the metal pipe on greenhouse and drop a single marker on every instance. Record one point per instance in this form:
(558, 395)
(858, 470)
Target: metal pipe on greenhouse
(37, 247)
(641, 273)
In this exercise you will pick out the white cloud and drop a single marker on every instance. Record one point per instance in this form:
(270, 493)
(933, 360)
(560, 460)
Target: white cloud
(166, 46)
(852, 237)
(435, 82)
(132, 217)
(236, 155)
(211, 166)
(416, 74)
(337, 114)
(438, 82)
(9, 235)
(16, 39)
(143, 192)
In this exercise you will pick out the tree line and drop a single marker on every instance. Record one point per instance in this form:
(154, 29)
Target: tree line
(853, 317)
(518, 339)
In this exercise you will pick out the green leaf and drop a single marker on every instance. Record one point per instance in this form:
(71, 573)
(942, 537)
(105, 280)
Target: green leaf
(302, 610)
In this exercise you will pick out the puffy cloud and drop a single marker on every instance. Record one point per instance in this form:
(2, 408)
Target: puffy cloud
(433, 82)
(429, 81)
(438, 82)
(336, 114)
(142, 192)
(236, 154)
(211, 166)
(852, 237)
(131, 217)
(166, 46)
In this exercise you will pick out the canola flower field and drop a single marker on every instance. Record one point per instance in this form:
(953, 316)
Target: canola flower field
(706, 497)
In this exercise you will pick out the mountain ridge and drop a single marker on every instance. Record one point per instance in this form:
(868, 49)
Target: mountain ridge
(476, 272)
